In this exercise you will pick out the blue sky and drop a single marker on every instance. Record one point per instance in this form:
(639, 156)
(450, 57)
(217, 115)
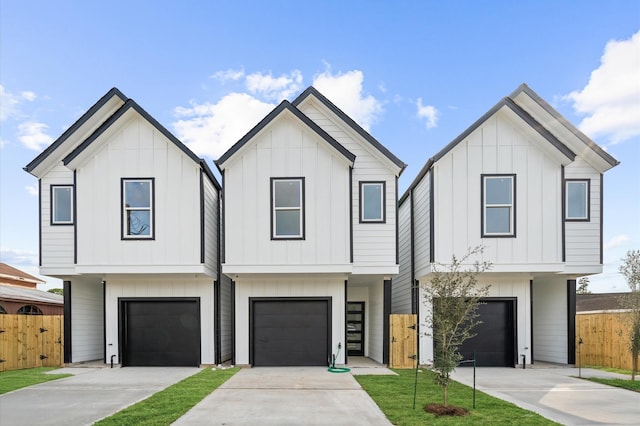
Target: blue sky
(414, 73)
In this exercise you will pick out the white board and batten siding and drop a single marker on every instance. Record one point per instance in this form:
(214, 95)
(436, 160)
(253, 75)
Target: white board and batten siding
(374, 244)
(500, 146)
(136, 149)
(161, 287)
(286, 148)
(550, 320)
(87, 323)
(583, 238)
(56, 240)
(288, 286)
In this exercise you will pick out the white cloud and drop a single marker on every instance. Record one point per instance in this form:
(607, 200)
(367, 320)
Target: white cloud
(211, 129)
(32, 189)
(610, 100)
(10, 102)
(345, 90)
(18, 258)
(616, 241)
(428, 112)
(32, 135)
(274, 88)
(228, 75)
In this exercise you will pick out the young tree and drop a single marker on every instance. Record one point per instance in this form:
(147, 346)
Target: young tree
(452, 296)
(583, 286)
(630, 268)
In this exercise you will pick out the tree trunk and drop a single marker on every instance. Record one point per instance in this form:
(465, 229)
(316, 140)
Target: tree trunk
(445, 396)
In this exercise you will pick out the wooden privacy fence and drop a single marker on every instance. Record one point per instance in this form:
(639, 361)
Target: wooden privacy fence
(403, 344)
(28, 341)
(605, 340)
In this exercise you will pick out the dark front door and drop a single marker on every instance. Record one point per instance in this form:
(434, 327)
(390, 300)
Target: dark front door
(494, 343)
(290, 332)
(158, 332)
(355, 328)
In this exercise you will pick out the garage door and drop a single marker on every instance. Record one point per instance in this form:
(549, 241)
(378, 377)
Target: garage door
(495, 339)
(160, 332)
(290, 332)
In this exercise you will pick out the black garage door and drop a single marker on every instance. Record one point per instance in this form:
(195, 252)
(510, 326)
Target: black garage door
(290, 332)
(157, 332)
(495, 340)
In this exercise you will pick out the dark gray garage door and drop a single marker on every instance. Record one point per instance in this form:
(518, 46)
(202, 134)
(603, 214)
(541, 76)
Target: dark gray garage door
(495, 340)
(158, 332)
(290, 332)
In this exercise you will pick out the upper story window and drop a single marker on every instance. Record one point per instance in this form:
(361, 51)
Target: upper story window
(498, 205)
(287, 208)
(138, 208)
(372, 201)
(62, 204)
(577, 199)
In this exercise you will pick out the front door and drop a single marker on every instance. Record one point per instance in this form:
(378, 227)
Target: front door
(355, 328)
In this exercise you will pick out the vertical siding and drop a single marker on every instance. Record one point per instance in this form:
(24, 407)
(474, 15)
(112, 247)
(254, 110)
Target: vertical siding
(550, 320)
(376, 321)
(422, 225)
(87, 320)
(211, 226)
(401, 284)
(583, 238)
(226, 320)
(57, 241)
(146, 287)
(373, 244)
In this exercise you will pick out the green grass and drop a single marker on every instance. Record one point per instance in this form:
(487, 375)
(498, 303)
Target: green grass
(619, 383)
(16, 379)
(394, 396)
(166, 406)
(609, 369)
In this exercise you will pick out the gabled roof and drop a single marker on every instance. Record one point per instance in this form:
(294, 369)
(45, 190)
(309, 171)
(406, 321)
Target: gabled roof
(285, 106)
(15, 274)
(349, 121)
(24, 294)
(543, 131)
(114, 92)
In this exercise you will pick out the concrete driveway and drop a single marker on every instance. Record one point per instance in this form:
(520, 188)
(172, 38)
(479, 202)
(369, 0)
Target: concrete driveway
(287, 396)
(556, 395)
(90, 395)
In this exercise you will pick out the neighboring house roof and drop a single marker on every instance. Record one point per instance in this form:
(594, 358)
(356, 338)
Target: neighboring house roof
(529, 119)
(285, 106)
(598, 302)
(20, 294)
(11, 275)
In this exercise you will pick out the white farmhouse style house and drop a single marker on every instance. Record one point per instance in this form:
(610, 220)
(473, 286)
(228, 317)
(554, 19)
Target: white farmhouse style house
(309, 218)
(526, 185)
(129, 220)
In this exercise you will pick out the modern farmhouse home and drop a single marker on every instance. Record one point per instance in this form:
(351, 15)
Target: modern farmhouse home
(129, 220)
(309, 218)
(526, 185)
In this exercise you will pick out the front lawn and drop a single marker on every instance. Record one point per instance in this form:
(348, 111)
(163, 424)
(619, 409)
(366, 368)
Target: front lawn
(166, 406)
(394, 396)
(16, 379)
(619, 383)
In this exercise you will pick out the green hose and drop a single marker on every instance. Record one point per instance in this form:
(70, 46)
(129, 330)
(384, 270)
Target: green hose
(332, 367)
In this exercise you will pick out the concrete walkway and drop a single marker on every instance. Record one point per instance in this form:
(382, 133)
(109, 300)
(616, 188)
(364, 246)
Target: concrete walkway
(287, 396)
(90, 395)
(556, 395)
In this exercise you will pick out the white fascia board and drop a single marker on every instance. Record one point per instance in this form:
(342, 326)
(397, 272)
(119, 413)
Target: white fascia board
(512, 268)
(197, 269)
(387, 270)
(57, 271)
(229, 269)
(582, 270)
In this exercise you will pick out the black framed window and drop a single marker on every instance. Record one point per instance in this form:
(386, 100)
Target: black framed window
(138, 208)
(62, 204)
(498, 205)
(577, 200)
(287, 208)
(372, 202)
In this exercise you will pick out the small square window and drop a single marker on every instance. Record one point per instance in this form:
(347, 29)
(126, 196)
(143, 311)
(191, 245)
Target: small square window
(287, 208)
(372, 200)
(498, 205)
(62, 204)
(577, 199)
(137, 208)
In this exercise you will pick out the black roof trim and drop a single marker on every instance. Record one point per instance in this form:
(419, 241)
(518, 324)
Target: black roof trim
(573, 129)
(131, 104)
(209, 173)
(504, 102)
(79, 122)
(355, 126)
(285, 105)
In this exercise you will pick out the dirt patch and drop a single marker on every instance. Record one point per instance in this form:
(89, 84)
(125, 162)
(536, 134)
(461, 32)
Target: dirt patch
(449, 410)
